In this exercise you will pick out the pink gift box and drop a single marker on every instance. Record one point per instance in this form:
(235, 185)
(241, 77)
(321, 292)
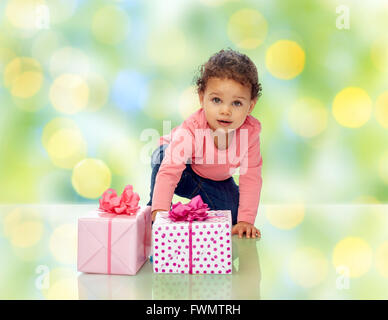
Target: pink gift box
(193, 247)
(114, 244)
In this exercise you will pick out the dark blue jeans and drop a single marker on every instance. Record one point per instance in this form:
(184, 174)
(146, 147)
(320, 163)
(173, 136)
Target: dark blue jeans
(218, 195)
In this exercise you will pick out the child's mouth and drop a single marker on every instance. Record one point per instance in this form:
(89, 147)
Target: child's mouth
(224, 123)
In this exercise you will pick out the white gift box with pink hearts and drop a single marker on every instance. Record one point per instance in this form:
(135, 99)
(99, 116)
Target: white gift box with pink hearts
(193, 247)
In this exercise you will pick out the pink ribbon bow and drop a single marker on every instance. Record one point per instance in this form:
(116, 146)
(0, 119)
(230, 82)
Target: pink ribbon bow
(126, 203)
(196, 209)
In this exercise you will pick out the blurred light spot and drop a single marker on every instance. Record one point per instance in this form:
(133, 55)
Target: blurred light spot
(188, 102)
(23, 13)
(11, 221)
(16, 216)
(307, 267)
(285, 59)
(332, 168)
(352, 107)
(382, 259)
(353, 253)
(6, 55)
(64, 289)
(130, 91)
(69, 60)
(382, 109)
(23, 77)
(66, 148)
(35, 102)
(379, 53)
(247, 28)
(159, 104)
(383, 167)
(110, 25)
(27, 84)
(23, 226)
(215, 3)
(62, 284)
(26, 234)
(45, 44)
(166, 13)
(285, 216)
(91, 177)
(167, 47)
(61, 10)
(308, 117)
(63, 243)
(34, 253)
(99, 91)
(366, 199)
(69, 93)
(55, 125)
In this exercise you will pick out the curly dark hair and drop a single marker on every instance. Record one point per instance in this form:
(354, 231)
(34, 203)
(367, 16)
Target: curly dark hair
(229, 64)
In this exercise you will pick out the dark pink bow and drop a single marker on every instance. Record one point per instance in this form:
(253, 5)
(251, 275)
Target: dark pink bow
(196, 209)
(127, 203)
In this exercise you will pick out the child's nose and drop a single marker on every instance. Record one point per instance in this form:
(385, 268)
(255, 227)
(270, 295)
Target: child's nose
(225, 109)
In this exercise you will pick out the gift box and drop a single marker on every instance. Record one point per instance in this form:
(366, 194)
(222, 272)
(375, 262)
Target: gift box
(191, 239)
(114, 243)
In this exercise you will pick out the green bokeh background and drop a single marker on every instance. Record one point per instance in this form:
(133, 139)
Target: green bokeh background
(339, 164)
(145, 55)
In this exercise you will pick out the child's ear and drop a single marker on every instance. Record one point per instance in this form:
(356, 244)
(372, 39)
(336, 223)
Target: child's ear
(252, 105)
(200, 96)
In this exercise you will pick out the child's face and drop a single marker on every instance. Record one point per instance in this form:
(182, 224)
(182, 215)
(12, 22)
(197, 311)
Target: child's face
(226, 99)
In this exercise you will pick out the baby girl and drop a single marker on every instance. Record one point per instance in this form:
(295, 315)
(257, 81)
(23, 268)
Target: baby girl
(200, 156)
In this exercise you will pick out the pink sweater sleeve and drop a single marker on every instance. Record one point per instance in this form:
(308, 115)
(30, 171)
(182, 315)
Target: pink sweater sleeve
(177, 153)
(250, 181)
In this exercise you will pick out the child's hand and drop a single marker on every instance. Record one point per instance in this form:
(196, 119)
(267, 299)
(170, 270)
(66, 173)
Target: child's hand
(247, 228)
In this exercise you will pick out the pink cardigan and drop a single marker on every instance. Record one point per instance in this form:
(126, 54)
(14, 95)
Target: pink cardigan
(192, 142)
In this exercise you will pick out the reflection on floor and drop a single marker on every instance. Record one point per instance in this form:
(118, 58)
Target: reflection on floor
(306, 252)
(243, 283)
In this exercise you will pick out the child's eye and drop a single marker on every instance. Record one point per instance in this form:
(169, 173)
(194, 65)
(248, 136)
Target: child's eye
(237, 103)
(216, 100)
